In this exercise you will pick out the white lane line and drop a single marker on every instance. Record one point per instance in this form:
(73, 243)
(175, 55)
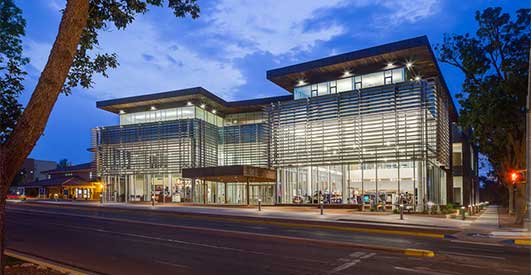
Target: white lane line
(354, 259)
(172, 264)
(345, 266)
(429, 272)
(368, 256)
(165, 240)
(472, 255)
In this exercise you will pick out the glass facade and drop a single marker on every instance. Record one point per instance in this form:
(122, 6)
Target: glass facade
(351, 83)
(373, 146)
(371, 140)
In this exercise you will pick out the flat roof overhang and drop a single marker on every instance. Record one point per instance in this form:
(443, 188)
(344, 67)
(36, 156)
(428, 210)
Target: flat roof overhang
(416, 50)
(195, 95)
(233, 173)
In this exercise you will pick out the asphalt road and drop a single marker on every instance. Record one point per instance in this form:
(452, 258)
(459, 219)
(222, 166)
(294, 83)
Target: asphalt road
(106, 241)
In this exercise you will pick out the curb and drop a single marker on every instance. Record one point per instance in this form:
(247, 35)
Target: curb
(419, 252)
(522, 242)
(43, 262)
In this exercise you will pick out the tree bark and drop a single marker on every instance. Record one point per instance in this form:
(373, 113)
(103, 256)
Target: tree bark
(32, 122)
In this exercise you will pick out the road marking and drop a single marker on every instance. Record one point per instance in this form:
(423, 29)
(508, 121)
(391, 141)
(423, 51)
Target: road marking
(173, 264)
(242, 234)
(472, 255)
(320, 226)
(355, 258)
(429, 272)
(99, 230)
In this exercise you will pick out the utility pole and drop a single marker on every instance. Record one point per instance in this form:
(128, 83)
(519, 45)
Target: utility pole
(528, 145)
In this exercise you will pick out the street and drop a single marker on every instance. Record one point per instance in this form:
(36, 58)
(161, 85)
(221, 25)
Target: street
(104, 241)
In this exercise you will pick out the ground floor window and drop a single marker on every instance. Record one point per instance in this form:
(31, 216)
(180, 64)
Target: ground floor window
(372, 185)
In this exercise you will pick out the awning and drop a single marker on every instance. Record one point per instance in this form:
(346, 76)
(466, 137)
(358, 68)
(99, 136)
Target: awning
(233, 173)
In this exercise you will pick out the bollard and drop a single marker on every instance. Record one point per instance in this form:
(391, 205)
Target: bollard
(463, 213)
(401, 211)
(259, 204)
(153, 200)
(322, 206)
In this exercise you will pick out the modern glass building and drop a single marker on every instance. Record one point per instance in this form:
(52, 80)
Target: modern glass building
(369, 128)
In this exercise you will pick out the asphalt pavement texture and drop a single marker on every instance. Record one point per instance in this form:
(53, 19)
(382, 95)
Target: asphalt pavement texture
(111, 241)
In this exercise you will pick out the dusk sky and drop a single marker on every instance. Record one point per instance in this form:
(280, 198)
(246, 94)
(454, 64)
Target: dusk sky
(228, 50)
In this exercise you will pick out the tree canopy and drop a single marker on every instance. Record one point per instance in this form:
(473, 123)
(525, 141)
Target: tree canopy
(12, 61)
(89, 59)
(494, 62)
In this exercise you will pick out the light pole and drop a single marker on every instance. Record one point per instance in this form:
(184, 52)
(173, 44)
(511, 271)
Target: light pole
(528, 149)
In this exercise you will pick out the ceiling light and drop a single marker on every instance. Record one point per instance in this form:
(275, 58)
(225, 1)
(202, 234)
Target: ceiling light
(122, 112)
(417, 77)
(347, 73)
(203, 106)
(153, 108)
(390, 64)
(409, 65)
(301, 82)
(189, 103)
(214, 111)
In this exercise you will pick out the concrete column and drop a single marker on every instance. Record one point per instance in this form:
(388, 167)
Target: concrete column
(225, 186)
(248, 189)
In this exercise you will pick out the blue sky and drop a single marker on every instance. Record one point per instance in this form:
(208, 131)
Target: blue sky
(228, 50)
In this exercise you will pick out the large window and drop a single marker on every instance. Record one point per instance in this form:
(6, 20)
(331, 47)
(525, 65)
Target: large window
(347, 84)
(170, 114)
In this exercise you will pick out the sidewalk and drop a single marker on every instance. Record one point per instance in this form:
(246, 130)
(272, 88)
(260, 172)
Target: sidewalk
(498, 224)
(310, 213)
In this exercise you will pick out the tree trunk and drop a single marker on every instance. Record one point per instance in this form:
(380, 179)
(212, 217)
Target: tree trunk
(510, 189)
(520, 203)
(32, 122)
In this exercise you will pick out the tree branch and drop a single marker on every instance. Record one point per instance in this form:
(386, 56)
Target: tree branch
(32, 122)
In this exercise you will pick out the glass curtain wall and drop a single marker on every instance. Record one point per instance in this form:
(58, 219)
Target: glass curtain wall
(374, 147)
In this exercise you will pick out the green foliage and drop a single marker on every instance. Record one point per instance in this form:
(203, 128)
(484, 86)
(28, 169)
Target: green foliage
(119, 13)
(494, 61)
(12, 26)
(89, 60)
(63, 163)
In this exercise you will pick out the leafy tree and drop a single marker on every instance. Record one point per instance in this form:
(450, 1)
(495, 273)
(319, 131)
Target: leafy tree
(494, 62)
(63, 163)
(72, 62)
(11, 62)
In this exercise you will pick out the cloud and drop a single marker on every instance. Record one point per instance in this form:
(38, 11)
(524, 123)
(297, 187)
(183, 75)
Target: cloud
(150, 62)
(408, 11)
(38, 53)
(273, 26)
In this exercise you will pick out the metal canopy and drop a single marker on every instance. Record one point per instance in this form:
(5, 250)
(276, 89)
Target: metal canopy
(233, 173)
(177, 98)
